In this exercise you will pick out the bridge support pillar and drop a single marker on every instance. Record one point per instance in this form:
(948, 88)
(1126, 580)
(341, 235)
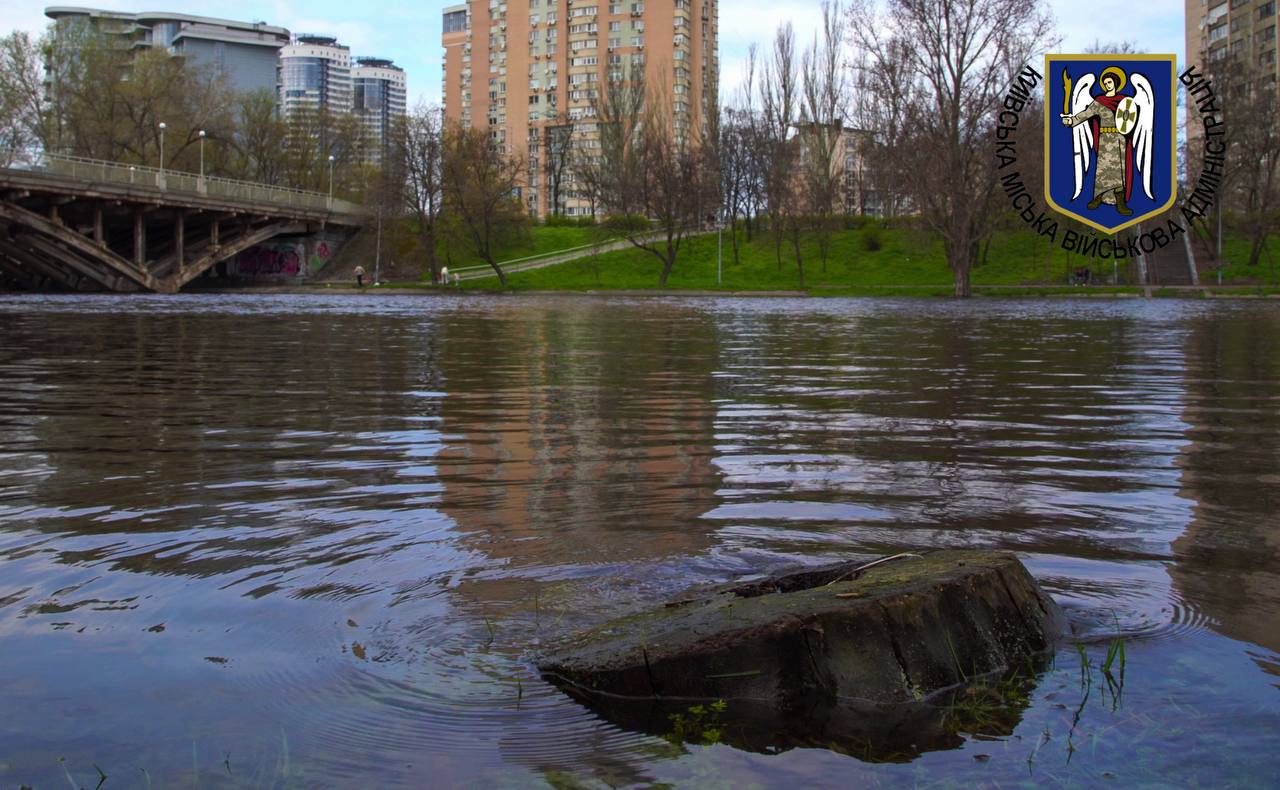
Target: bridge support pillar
(97, 226)
(308, 253)
(179, 232)
(139, 240)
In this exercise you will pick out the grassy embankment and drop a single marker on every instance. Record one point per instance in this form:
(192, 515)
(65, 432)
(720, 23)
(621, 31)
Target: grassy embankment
(540, 240)
(1263, 278)
(872, 260)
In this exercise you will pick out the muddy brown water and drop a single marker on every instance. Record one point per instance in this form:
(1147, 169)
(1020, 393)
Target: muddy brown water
(284, 540)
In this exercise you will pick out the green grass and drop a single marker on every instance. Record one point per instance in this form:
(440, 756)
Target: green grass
(872, 260)
(539, 241)
(1236, 268)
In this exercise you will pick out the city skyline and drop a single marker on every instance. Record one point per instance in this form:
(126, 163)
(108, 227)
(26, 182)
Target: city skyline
(410, 35)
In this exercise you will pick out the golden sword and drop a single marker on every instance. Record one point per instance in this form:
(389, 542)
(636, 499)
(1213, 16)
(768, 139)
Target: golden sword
(1066, 92)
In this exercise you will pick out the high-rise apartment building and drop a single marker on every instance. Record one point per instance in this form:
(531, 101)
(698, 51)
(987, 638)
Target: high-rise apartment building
(378, 99)
(245, 52)
(1222, 29)
(1239, 33)
(528, 71)
(315, 76)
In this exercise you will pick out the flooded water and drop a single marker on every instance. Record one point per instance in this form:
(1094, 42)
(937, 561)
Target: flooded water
(272, 541)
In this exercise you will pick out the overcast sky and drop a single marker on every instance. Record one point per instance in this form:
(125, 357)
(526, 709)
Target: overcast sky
(411, 34)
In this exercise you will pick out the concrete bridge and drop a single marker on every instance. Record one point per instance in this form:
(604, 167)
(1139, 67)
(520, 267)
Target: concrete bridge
(82, 224)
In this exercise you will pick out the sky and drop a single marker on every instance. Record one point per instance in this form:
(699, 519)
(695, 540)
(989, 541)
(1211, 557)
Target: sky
(410, 33)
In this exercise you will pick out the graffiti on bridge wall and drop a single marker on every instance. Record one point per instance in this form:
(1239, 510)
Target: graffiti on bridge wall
(278, 260)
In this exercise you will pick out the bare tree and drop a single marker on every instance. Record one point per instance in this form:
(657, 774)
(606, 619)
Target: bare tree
(754, 151)
(22, 105)
(261, 138)
(312, 136)
(824, 78)
(735, 171)
(942, 66)
(779, 93)
(656, 182)
(609, 174)
(557, 151)
(875, 116)
(420, 149)
(481, 187)
(1252, 189)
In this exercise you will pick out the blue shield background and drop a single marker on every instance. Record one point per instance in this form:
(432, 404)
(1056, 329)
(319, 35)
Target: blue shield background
(1059, 176)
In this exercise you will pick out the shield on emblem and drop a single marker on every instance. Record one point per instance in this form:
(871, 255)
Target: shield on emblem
(1126, 116)
(1110, 139)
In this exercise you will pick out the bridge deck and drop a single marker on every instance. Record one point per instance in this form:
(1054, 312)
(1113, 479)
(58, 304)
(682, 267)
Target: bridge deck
(76, 223)
(94, 178)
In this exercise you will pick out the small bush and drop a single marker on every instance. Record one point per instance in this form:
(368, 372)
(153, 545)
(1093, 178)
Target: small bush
(871, 240)
(627, 223)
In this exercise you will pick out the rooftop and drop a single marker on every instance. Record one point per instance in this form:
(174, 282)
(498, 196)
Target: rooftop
(316, 38)
(155, 17)
(377, 61)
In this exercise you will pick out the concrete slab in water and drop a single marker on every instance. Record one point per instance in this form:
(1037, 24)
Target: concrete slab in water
(898, 632)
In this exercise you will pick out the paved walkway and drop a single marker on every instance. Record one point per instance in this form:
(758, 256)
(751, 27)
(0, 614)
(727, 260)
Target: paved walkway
(531, 263)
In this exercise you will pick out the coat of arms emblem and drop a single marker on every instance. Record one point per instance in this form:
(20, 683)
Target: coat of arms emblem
(1110, 137)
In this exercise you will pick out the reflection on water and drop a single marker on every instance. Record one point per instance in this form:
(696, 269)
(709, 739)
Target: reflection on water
(319, 540)
(989, 708)
(1229, 552)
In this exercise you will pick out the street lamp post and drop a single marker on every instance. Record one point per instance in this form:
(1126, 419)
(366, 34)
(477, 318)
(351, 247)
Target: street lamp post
(202, 160)
(331, 181)
(160, 180)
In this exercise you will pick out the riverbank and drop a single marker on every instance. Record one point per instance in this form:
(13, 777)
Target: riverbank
(866, 258)
(918, 292)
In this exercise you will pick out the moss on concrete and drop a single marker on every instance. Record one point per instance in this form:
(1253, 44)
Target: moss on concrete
(897, 632)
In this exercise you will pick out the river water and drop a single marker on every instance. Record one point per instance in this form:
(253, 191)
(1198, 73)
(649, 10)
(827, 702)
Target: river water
(272, 541)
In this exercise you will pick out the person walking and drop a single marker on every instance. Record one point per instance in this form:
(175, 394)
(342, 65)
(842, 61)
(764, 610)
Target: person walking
(359, 276)
(444, 274)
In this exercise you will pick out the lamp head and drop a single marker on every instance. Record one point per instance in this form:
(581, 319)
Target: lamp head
(202, 133)
(163, 126)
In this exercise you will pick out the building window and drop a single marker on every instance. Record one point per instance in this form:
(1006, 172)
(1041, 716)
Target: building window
(455, 21)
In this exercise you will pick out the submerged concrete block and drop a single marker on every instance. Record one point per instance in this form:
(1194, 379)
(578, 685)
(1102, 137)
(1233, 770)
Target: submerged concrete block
(893, 633)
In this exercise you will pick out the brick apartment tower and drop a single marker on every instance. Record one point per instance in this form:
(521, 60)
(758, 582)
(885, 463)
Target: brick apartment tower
(527, 70)
(1218, 30)
(1246, 29)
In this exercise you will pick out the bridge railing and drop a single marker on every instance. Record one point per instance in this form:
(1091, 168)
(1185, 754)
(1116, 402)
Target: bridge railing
(97, 170)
